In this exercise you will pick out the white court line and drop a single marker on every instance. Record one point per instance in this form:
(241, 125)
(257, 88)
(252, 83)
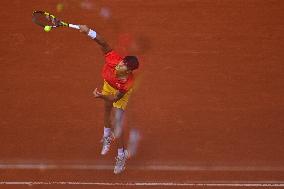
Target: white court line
(148, 184)
(152, 167)
(49, 166)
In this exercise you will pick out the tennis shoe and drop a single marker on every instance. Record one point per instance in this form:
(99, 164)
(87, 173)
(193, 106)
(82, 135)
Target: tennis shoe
(106, 144)
(120, 163)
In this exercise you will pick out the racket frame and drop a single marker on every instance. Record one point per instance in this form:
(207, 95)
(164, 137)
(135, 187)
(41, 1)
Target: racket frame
(61, 23)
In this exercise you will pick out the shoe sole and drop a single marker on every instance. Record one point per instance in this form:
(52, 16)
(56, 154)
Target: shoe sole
(118, 172)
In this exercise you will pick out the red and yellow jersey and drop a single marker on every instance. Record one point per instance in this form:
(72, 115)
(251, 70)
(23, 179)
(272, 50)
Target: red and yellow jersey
(112, 58)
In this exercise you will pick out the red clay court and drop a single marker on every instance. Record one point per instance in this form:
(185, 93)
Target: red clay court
(209, 103)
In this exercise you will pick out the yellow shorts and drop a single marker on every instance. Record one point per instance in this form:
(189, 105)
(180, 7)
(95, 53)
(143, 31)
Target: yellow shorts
(109, 90)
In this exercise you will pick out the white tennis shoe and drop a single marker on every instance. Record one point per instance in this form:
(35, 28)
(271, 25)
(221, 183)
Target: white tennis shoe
(106, 144)
(120, 163)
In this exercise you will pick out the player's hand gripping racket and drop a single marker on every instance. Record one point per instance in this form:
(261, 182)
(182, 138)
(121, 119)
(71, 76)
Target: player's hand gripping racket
(45, 19)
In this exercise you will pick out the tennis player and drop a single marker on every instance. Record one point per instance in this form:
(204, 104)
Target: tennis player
(118, 85)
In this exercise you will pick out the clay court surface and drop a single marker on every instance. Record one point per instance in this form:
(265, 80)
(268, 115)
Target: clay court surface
(209, 103)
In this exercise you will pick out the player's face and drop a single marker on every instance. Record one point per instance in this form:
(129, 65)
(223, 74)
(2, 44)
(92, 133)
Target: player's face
(121, 68)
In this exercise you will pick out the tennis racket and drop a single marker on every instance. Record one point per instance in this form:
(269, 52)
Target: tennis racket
(43, 19)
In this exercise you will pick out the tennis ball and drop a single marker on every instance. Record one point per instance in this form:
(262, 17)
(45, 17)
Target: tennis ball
(47, 28)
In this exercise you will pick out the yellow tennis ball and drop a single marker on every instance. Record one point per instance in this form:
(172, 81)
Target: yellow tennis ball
(47, 28)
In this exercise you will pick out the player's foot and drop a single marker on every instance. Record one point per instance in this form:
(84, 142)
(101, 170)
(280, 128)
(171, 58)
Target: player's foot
(120, 163)
(106, 144)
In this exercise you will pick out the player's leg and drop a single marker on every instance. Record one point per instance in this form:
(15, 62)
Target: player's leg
(118, 121)
(121, 151)
(134, 135)
(107, 114)
(118, 125)
(119, 111)
(108, 136)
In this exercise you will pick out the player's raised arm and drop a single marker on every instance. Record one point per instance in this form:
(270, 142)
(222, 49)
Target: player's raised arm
(97, 37)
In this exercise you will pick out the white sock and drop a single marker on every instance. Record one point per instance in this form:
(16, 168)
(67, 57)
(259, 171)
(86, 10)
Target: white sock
(107, 131)
(120, 152)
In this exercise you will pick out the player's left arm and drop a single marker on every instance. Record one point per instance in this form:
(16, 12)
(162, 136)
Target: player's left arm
(111, 98)
(97, 37)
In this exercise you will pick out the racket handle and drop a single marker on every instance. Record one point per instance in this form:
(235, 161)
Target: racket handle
(74, 26)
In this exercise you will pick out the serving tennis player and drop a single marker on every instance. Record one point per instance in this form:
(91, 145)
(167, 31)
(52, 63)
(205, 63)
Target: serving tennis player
(118, 85)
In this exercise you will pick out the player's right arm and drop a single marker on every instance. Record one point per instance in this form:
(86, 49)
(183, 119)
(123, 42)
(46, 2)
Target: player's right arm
(97, 37)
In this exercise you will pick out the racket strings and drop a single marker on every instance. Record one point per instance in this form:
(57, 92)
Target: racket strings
(45, 19)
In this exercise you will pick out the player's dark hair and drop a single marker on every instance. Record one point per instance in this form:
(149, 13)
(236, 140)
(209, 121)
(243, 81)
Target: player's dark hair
(131, 62)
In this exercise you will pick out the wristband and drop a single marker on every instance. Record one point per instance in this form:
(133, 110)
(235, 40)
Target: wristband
(92, 34)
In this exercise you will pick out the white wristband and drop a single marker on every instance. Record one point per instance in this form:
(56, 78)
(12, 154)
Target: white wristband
(92, 34)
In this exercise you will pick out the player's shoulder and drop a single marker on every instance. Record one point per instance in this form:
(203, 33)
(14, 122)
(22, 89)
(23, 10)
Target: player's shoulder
(113, 54)
(112, 58)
